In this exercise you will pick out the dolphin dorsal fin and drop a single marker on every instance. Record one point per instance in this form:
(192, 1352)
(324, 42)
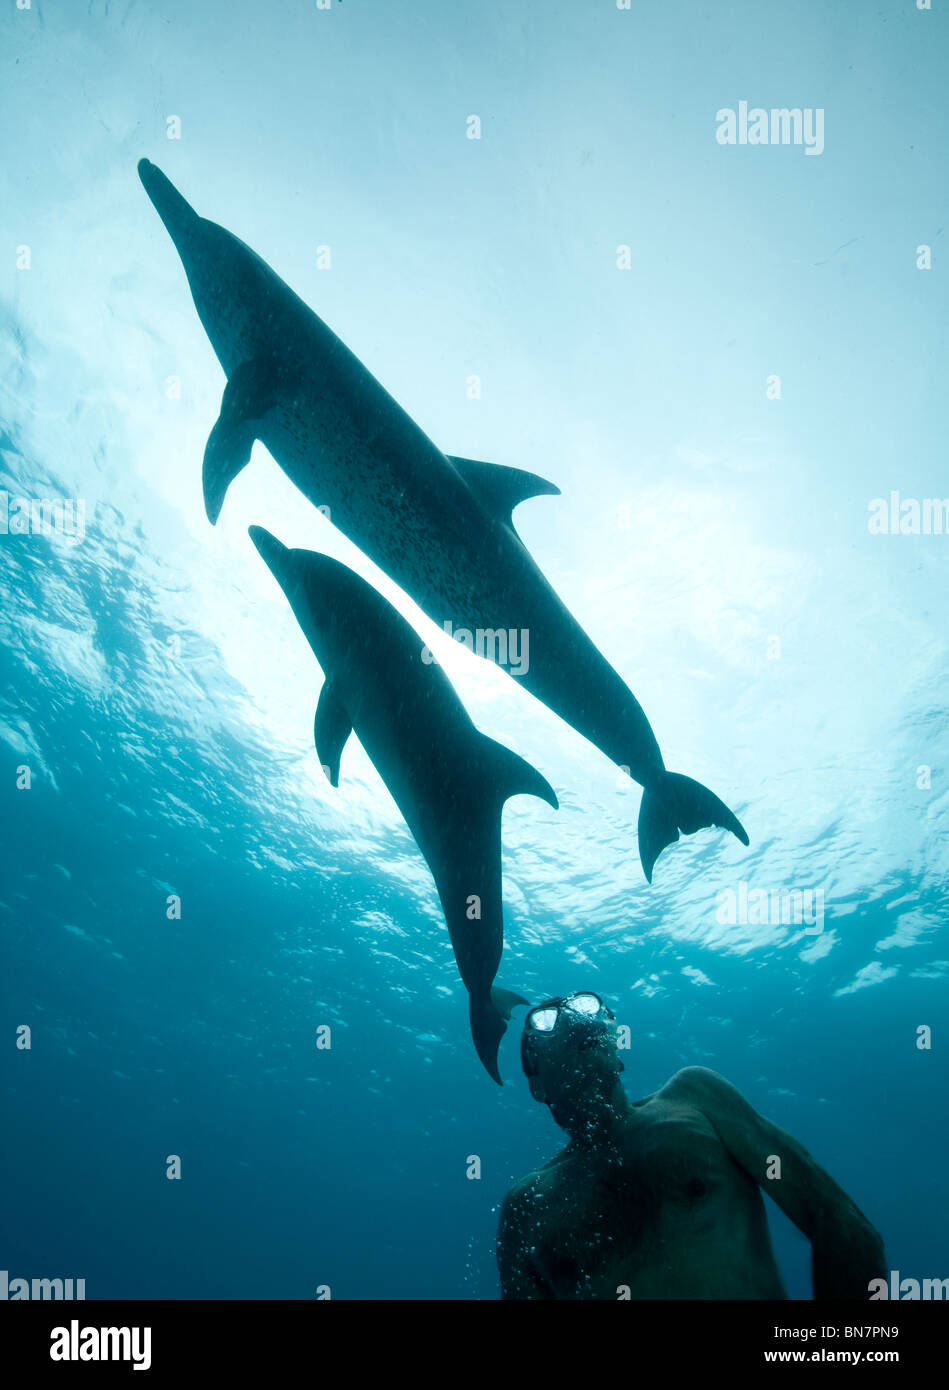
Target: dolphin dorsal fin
(512, 775)
(499, 489)
(331, 728)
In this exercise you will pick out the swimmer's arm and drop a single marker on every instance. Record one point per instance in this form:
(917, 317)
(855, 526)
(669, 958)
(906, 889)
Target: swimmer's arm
(519, 1277)
(846, 1250)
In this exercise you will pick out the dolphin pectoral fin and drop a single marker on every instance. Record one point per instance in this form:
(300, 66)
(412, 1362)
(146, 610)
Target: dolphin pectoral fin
(672, 803)
(227, 451)
(498, 488)
(331, 728)
(245, 401)
(514, 776)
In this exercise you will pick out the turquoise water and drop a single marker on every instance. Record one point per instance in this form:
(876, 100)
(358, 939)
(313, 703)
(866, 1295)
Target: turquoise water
(715, 540)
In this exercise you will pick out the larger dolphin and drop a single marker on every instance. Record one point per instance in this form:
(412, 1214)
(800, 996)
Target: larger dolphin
(449, 781)
(439, 526)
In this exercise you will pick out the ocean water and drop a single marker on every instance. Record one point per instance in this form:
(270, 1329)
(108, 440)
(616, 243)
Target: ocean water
(722, 417)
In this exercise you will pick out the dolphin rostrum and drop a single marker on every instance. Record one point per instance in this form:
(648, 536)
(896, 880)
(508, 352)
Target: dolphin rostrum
(439, 526)
(449, 781)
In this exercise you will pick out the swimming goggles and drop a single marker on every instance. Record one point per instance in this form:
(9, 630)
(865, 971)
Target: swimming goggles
(545, 1017)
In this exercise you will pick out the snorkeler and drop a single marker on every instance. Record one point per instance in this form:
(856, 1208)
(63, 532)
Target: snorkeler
(659, 1198)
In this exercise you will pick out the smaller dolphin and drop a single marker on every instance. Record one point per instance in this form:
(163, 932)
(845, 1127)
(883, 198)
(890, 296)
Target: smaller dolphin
(449, 781)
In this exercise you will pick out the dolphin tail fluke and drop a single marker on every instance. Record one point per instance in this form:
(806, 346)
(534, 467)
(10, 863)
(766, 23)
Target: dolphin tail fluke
(673, 803)
(489, 1014)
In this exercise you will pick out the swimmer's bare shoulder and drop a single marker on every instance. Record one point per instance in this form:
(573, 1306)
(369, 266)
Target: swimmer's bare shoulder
(525, 1220)
(846, 1249)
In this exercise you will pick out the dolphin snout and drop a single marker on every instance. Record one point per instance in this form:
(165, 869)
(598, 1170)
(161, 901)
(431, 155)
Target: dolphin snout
(176, 212)
(270, 550)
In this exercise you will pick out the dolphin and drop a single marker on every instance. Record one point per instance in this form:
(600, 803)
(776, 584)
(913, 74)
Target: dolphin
(439, 526)
(449, 781)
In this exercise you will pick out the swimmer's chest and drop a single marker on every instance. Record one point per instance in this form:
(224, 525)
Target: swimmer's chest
(673, 1171)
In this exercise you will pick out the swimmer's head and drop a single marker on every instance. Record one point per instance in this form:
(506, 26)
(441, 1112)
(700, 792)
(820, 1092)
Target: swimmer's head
(569, 1051)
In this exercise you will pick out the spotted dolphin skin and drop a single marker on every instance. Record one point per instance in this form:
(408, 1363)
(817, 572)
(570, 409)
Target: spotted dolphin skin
(449, 781)
(439, 526)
